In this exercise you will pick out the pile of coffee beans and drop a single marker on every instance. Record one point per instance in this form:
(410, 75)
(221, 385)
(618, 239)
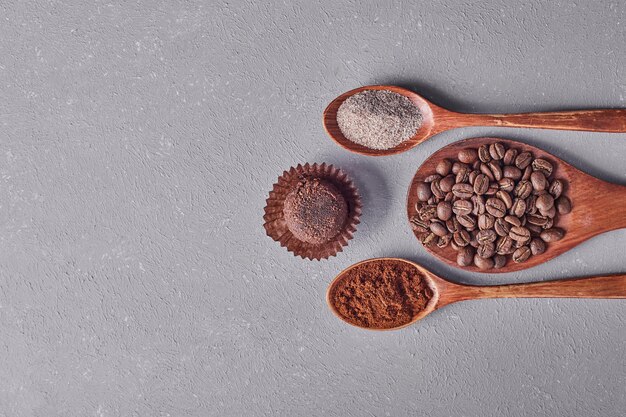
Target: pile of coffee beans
(492, 204)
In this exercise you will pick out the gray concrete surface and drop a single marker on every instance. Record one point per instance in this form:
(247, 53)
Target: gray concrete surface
(138, 144)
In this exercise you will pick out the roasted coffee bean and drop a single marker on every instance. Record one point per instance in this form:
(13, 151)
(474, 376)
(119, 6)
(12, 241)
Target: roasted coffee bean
(443, 241)
(485, 236)
(506, 198)
(466, 220)
(513, 220)
(552, 235)
(429, 239)
(523, 189)
(444, 210)
(439, 229)
(556, 188)
(506, 184)
(463, 191)
(523, 160)
(538, 180)
(518, 208)
(468, 156)
(472, 176)
(563, 205)
(484, 168)
(456, 166)
(465, 256)
(462, 237)
(418, 225)
(549, 223)
(497, 150)
(423, 191)
(427, 212)
(481, 184)
(493, 189)
(460, 207)
(446, 183)
(544, 202)
(542, 165)
(435, 188)
(473, 241)
(486, 250)
(453, 225)
(476, 164)
(499, 261)
(483, 153)
(521, 254)
(527, 173)
(536, 219)
(534, 229)
(495, 169)
(449, 197)
(444, 167)
(509, 157)
(432, 178)
(504, 245)
(512, 172)
(495, 207)
(501, 227)
(483, 263)
(462, 175)
(531, 207)
(551, 212)
(537, 246)
(479, 204)
(486, 221)
(519, 234)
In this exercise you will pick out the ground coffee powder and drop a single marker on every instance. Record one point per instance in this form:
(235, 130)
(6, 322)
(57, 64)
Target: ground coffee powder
(381, 294)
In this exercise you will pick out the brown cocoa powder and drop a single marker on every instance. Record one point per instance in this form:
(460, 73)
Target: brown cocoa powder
(381, 294)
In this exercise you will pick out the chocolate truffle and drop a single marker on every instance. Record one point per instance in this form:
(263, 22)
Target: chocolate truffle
(315, 211)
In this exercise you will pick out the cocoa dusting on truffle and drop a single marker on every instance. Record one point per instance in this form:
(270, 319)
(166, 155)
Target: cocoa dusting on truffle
(315, 211)
(380, 294)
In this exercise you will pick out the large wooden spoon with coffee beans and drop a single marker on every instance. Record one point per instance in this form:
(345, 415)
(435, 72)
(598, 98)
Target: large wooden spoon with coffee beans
(591, 206)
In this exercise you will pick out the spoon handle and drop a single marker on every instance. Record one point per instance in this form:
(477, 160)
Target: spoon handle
(604, 120)
(608, 286)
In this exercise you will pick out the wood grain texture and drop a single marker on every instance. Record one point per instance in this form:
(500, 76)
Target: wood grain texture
(444, 292)
(436, 119)
(597, 206)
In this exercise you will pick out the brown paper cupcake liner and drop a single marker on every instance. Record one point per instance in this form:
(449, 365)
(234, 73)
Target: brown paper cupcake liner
(276, 226)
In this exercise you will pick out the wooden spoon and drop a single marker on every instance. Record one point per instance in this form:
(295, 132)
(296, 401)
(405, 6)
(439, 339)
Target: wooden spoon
(443, 292)
(437, 119)
(597, 206)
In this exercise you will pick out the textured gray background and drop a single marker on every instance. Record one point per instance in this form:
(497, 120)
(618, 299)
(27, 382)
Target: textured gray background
(138, 144)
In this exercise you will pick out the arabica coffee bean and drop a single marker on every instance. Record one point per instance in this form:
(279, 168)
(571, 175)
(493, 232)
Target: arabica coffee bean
(543, 166)
(537, 246)
(490, 204)
(481, 184)
(462, 207)
(444, 167)
(538, 180)
(423, 191)
(523, 160)
(563, 205)
(501, 227)
(499, 261)
(505, 197)
(468, 156)
(544, 202)
(521, 254)
(444, 210)
(486, 221)
(556, 188)
(519, 234)
(463, 191)
(495, 207)
(439, 229)
(552, 235)
(483, 153)
(483, 263)
(509, 157)
(512, 172)
(465, 256)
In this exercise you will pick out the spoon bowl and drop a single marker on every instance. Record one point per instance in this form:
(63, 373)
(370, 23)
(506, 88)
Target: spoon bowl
(443, 292)
(436, 119)
(597, 206)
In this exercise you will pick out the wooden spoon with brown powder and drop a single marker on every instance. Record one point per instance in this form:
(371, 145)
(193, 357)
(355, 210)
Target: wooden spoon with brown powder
(391, 293)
